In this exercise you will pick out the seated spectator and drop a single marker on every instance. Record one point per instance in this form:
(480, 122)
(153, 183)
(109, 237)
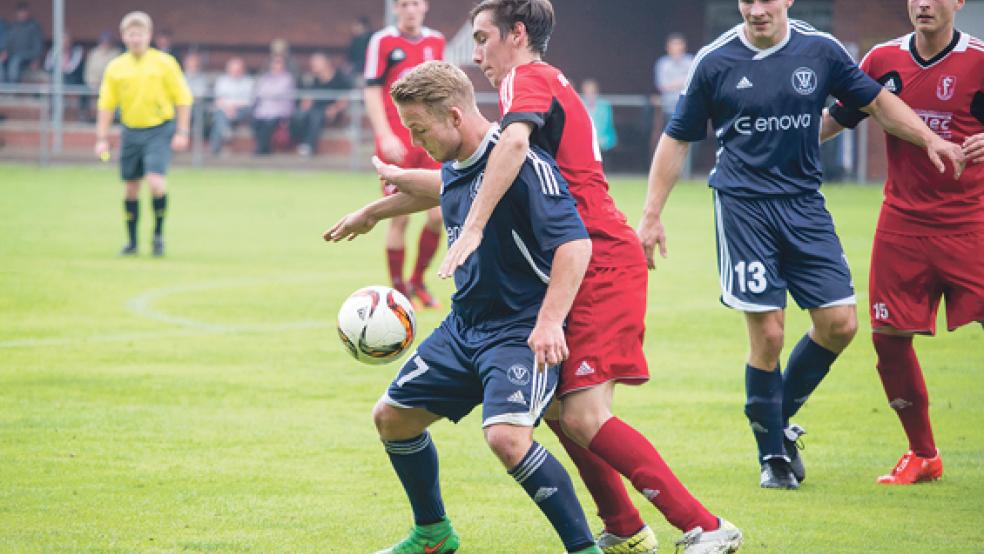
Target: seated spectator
(95, 65)
(233, 101)
(23, 48)
(312, 114)
(72, 58)
(274, 103)
(197, 80)
(600, 111)
(73, 55)
(163, 41)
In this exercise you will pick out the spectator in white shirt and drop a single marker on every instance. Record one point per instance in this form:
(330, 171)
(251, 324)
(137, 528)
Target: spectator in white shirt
(233, 102)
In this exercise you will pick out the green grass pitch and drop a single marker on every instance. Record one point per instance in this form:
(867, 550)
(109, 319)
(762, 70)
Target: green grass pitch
(202, 402)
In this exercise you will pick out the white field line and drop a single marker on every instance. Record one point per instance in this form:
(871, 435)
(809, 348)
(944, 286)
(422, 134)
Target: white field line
(143, 305)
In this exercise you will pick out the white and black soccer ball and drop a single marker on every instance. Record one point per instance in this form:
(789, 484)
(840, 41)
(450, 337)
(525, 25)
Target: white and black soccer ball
(376, 324)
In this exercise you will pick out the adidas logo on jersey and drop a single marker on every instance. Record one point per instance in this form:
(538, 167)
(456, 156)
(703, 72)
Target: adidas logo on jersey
(744, 83)
(544, 493)
(517, 398)
(650, 494)
(584, 369)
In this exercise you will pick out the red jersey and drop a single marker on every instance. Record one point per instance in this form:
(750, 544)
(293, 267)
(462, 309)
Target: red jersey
(947, 91)
(539, 94)
(390, 55)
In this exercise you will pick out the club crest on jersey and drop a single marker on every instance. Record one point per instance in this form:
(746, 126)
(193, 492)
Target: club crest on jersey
(804, 81)
(398, 55)
(946, 87)
(518, 375)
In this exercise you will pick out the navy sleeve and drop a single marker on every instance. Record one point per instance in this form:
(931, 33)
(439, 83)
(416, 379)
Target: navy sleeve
(689, 123)
(553, 212)
(853, 87)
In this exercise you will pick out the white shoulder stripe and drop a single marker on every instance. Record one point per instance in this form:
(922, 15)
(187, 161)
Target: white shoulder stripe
(725, 38)
(805, 29)
(506, 91)
(894, 43)
(372, 56)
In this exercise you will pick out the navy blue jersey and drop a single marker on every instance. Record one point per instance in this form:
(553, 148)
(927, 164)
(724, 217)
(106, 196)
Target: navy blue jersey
(505, 280)
(766, 108)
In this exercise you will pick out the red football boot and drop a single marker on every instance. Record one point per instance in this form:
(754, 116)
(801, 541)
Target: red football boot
(912, 469)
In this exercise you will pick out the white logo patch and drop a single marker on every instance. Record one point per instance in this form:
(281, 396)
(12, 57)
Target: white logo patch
(804, 81)
(584, 369)
(650, 494)
(517, 398)
(744, 83)
(899, 404)
(544, 493)
(946, 87)
(518, 375)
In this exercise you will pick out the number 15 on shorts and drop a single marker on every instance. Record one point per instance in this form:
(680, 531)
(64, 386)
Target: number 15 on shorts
(751, 277)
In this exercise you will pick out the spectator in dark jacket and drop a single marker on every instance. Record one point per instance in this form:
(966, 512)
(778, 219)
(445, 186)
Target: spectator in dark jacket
(23, 48)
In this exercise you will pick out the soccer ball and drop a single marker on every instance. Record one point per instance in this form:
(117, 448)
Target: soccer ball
(376, 324)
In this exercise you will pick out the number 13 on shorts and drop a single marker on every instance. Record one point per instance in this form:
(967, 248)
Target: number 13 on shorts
(750, 277)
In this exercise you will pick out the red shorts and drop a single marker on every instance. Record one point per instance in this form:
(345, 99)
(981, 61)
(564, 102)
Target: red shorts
(909, 275)
(605, 329)
(416, 158)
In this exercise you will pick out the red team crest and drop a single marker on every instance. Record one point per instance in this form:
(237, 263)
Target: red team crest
(946, 87)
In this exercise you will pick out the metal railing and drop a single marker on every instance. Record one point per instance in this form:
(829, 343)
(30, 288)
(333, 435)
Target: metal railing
(51, 125)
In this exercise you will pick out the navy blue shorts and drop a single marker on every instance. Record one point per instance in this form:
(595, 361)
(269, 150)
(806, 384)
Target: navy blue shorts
(767, 246)
(144, 151)
(458, 367)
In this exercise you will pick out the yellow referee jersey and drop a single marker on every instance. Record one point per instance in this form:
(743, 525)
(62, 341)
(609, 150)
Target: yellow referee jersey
(146, 89)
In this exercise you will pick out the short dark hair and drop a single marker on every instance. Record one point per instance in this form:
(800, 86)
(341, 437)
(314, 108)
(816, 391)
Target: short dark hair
(536, 15)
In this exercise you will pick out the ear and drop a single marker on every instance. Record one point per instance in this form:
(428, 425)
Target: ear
(518, 32)
(457, 116)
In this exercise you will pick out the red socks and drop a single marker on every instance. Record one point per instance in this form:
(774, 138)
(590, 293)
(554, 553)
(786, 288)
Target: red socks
(394, 261)
(905, 388)
(425, 253)
(632, 455)
(605, 485)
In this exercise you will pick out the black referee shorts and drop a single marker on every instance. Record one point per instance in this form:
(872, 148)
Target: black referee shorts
(146, 150)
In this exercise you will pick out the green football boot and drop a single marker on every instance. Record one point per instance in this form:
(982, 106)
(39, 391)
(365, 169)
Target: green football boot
(593, 549)
(436, 538)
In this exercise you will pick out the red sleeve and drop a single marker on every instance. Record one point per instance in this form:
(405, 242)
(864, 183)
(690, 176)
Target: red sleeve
(377, 58)
(525, 97)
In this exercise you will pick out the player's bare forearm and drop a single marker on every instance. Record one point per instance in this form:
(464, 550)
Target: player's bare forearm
(567, 270)
(398, 204)
(420, 182)
(547, 339)
(898, 119)
(829, 128)
(364, 219)
(103, 120)
(663, 175)
(376, 110)
(183, 116)
(504, 164)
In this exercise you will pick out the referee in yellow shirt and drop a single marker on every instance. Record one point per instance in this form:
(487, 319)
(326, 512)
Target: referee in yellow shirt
(150, 91)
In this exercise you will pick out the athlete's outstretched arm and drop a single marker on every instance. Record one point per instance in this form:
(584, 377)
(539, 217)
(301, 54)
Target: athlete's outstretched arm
(503, 166)
(898, 119)
(569, 264)
(663, 174)
(418, 182)
(364, 219)
(829, 128)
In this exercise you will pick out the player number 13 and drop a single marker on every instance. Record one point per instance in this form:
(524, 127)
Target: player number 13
(754, 279)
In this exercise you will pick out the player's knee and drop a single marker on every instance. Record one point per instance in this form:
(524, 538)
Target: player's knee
(509, 443)
(770, 341)
(580, 426)
(388, 420)
(841, 331)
